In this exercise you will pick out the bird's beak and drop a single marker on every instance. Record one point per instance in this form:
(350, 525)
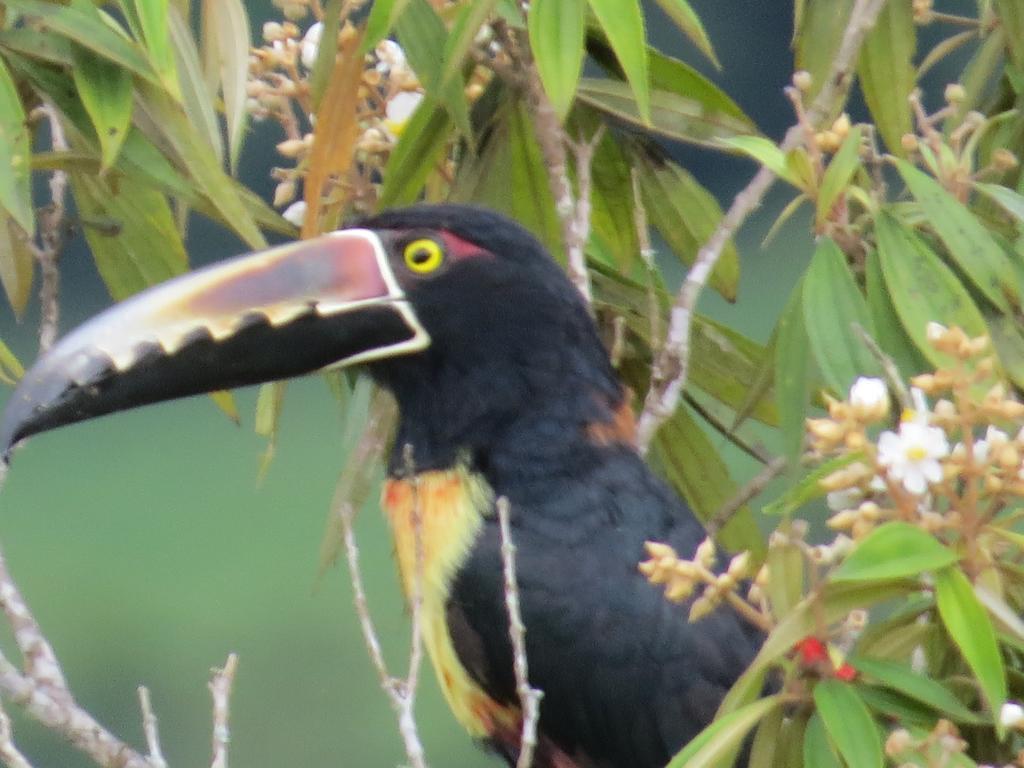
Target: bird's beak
(290, 310)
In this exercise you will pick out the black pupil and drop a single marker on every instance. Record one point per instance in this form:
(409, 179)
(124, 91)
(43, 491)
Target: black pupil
(421, 256)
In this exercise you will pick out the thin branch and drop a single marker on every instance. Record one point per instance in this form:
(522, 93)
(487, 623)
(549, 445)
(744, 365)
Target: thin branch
(51, 238)
(753, 487)
(401, 693)
(150, 729)
(669, 372)
(220, 690)
(529, 697)
(10, 755)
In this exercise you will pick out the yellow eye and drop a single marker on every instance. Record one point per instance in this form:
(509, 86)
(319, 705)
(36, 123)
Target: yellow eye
(423, 256)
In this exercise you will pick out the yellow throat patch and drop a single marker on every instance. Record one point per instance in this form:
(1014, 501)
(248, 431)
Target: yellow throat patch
(450, 505)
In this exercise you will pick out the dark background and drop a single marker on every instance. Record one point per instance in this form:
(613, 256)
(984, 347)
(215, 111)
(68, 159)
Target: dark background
(148, 549)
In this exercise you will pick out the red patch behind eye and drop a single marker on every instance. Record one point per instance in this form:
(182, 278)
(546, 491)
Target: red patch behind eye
(460, 248)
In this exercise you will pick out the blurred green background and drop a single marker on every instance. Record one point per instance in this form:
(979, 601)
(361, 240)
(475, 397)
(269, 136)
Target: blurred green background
(149, 550)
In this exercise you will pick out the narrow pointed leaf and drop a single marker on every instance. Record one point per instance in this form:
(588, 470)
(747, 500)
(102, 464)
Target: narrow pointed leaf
(792, 369)
(837, 175)
(686, 215)
(808, 488)
(382, 18)
(556, 29)
(623, 23)
(765, 152)
(106, 92)
(124, 250)
(894, 550)
(17, 264)
(460, 39)
(227, 25)
(922, 288)
(225, 401)
(15, 183)
(886, 72)
(1010, 201)
(195, 96)
(832, 304)
(1011, 17)
(889, 334)
(818, 36)
(970, 245)
(681, 12)
(971, 630)
(818, 750)
(419, 151)
(11, 369)
(902, 678)
(82, 22)
(692, 465)
(725, 735)
(423, 37)
(671, 115)
(152, 15)
(848, 723)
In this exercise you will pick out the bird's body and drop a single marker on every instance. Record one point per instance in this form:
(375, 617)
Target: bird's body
(504, 390)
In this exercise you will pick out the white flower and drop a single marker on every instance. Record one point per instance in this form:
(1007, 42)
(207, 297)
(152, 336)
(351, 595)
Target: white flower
(295, 213)
(912, 456)
(935, 331)
(399, 109)
(1011, 715)
(311, 45)
(389, 56)
(869, 397)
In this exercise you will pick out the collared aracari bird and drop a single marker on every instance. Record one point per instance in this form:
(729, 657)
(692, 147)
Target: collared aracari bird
(504, 390)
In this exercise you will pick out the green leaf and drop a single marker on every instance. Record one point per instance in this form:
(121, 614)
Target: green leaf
(832, 304)
(922, 288)
(623, 23)
(786, 565)
(902, 678)
(889, 334)
(818, 751)
(326, 54)
(671, 115)
(809, 486)
(817, 39)
(1011, 17)
(765, 152)
(106, 92)
(685, 215)
(124, 251)
(979, 256)
(690, 24)
(678, 77)
(557, 31)
(969, 627)
(269, 404)
(1010, 201)
(418, 153)
(11, 369)
(84, 24)
(467, 24)
(152, 15)
(725, 735)
(837, 175)
(423, 37)
(226, 40)
(849, 724)
(690, 462)
(766, 745)
(1008, 341)
(17, 264)
(792, 372)
(45, 46)
(195, 96)
(891, 551)
(612, 209)
(886, 72)
(15, 186)
(383, 15)
(166, 125)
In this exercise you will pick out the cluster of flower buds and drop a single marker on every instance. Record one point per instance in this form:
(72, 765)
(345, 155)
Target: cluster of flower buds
(279, 88)
(918, 471)
(939, 747)
(683, 577)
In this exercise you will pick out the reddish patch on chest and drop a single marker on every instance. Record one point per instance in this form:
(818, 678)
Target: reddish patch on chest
(620, 428)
